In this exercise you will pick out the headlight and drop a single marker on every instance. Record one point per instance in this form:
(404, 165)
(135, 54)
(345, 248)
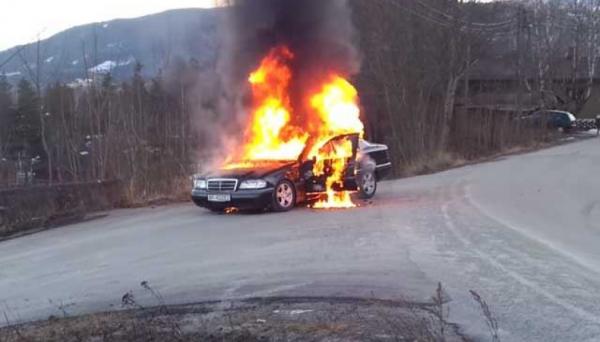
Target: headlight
(199, 183)
(253, 184)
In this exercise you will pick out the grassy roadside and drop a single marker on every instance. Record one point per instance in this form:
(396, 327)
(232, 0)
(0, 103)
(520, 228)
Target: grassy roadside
(260, 319)
(447, 160)
(270, 319)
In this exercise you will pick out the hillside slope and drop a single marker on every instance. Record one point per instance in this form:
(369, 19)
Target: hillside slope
(155, 40)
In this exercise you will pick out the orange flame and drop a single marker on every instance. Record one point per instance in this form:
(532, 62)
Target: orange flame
(339, 113)
(273, 134)
(332, 162)
(337, 106)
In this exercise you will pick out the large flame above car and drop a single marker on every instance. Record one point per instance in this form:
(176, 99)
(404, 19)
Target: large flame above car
(271, 135)
(278, 131)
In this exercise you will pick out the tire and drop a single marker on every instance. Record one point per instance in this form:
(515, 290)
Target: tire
(367, 185)
(284, 196)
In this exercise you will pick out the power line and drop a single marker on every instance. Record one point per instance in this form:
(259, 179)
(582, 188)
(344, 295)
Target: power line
(17, 51)
(453, 19)
(446, 20)
(416, 13)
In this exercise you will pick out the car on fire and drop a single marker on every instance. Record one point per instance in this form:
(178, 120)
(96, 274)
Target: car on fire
(281, 185)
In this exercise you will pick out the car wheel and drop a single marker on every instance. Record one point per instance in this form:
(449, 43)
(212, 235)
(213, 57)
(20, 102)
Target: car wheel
(367, 185)
(284, 196)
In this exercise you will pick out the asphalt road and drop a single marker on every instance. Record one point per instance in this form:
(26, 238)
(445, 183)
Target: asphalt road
(523, 231)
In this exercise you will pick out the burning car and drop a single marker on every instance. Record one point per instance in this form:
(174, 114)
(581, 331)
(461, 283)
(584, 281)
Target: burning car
(302, 142)
(280, 185)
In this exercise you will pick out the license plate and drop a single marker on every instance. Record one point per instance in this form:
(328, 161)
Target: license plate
(219, 197)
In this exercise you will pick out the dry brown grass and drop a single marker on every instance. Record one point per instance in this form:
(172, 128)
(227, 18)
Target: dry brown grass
(430, 164)
(259, 319)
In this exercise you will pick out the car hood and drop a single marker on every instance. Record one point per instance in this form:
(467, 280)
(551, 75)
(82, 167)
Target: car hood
(254, 172)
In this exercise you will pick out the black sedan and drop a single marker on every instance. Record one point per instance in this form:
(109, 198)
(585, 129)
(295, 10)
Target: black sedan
(280, 185)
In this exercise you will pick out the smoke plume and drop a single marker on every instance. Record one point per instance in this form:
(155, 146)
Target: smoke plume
(319, 33)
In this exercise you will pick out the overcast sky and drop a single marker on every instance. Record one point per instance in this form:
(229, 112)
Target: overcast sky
(21, 21)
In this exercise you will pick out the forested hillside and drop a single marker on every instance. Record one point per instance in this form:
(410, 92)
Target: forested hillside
(114, 46)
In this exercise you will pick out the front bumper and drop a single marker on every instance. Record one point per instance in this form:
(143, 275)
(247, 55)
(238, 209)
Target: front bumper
(241, 199)
(382, 171)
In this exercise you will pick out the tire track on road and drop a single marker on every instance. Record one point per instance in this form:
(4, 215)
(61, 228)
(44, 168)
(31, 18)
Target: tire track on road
(502, 265)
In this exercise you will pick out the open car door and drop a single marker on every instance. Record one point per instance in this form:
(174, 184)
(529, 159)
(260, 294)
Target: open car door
(330, 155)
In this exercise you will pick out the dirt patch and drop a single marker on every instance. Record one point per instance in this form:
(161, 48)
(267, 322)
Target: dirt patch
(259, 319)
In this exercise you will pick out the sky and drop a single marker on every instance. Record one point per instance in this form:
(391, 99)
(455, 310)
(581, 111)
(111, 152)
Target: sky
(22, 21)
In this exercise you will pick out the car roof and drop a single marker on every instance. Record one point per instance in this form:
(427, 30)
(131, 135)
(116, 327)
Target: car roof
(553, 111)
(310, 143)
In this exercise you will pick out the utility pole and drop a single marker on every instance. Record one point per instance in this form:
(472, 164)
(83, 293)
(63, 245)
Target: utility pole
(467, 75)
(38, 88)
(521, 23)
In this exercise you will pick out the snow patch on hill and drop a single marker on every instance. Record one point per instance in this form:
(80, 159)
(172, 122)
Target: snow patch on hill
(12, 74)
(107, 66)
(103, 67)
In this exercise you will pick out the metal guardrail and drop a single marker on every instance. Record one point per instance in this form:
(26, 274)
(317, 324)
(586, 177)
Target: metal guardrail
(44, 184)
(585, 124)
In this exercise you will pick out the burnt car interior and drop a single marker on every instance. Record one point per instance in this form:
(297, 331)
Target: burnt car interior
(333, 147)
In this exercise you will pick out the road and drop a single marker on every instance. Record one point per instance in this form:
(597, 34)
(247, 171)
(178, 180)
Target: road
(523, 231)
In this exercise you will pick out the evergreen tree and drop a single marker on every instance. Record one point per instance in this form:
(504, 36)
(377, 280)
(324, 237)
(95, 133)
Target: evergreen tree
(27, 121)
(5, 98)
(108, 83)
(139, 90)
(7, 115)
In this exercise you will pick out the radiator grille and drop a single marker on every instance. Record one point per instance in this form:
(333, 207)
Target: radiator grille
(222, 185)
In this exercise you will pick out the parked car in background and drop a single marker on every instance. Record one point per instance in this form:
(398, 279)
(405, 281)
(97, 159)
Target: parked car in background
(551, 119)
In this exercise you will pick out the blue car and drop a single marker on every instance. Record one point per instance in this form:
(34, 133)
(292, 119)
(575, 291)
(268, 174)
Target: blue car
(552, 119)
